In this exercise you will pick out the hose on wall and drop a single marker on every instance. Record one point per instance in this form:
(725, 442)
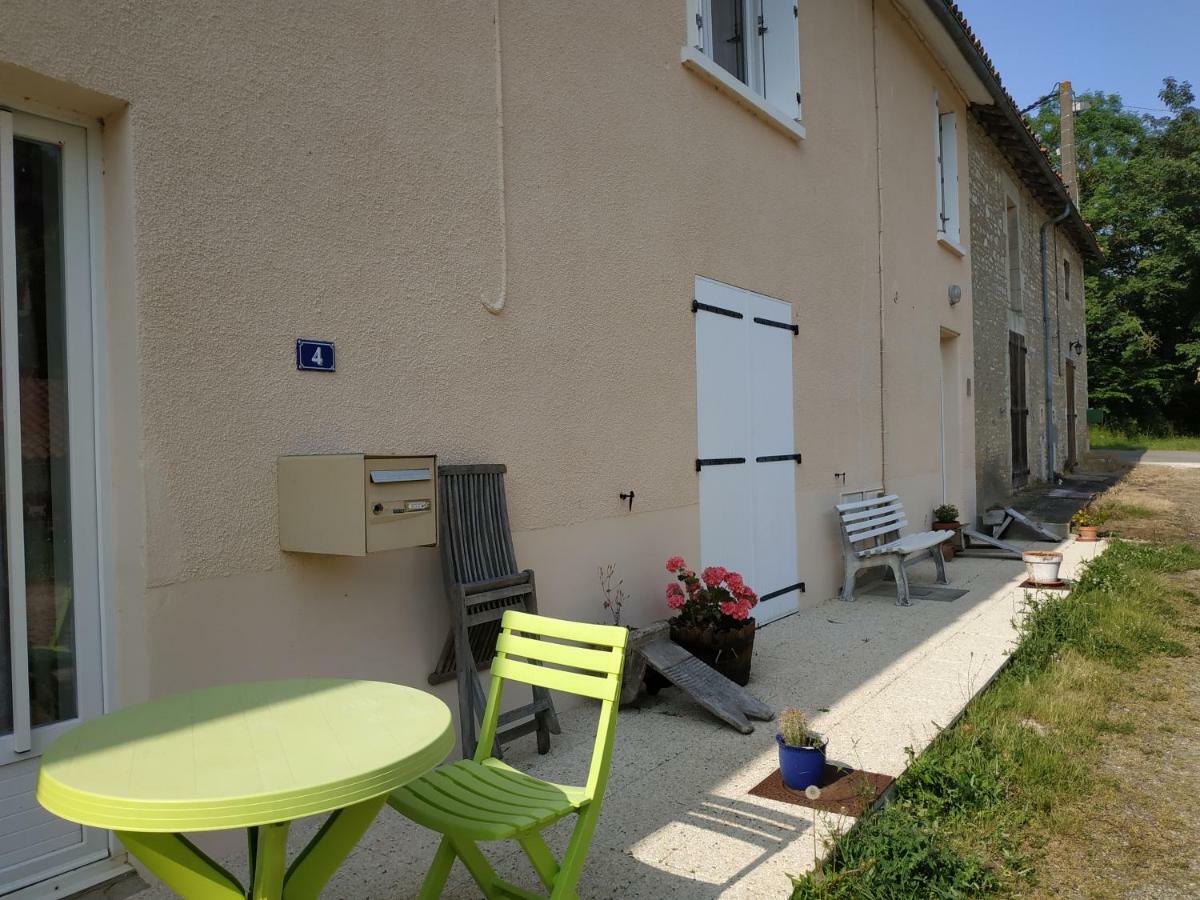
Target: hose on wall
(496, 306)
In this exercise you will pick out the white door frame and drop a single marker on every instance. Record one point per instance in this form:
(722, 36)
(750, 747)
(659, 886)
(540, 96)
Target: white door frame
(92, 564)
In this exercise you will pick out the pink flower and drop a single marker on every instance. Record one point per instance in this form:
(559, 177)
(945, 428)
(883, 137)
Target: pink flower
(730, 609)
(675, 597)
(714, 575)
(734, 581)
(675, 563)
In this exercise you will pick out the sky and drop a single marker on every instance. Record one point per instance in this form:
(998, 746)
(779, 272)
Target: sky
(1121, 47)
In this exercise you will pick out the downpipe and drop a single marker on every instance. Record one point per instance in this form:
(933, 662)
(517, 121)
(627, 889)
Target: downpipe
(1048, 376)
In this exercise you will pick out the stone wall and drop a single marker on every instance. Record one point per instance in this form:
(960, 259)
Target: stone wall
(992, 184)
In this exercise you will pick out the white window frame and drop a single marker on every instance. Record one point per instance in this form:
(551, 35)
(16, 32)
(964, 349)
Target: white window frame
(945, 133)
(112, 861)
(752, 93)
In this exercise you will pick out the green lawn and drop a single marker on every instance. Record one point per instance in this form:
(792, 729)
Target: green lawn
(974, 813)
(1103, 438)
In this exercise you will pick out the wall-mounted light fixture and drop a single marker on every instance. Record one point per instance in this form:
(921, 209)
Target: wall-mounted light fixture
(955, 293)
(1076, 346)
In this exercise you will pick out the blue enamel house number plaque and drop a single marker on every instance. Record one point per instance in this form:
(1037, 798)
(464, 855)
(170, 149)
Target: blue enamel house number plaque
(315, 356)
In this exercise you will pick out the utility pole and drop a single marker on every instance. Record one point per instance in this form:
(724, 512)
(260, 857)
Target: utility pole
(1066, 113)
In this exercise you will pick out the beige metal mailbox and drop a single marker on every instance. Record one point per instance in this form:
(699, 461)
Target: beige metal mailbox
(351, 504)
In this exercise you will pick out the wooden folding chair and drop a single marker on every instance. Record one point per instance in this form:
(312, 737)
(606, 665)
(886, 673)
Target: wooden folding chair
(479, 569)
(485, 800)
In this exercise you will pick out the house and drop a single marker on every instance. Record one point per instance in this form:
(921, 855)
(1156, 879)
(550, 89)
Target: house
(714, 253)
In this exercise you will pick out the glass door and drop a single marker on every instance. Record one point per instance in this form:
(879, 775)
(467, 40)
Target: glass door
(50, 676)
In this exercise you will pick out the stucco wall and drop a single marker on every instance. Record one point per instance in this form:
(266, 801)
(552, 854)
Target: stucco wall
(331, 172)
(991, 179)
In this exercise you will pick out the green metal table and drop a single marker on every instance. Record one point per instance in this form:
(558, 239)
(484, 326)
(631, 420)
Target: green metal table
(254, 756)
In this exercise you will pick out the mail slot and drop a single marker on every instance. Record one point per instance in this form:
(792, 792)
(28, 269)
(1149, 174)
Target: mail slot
(351, 504)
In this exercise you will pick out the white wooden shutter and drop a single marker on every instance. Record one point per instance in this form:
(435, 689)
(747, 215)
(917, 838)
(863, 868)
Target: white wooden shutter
(949, 130)
(744, 412)
(695, 20)
(772, 434)
(781, 56)
(938, 174)
(724, 423)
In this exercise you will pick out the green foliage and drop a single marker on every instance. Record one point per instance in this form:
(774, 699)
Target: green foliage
(946, 513)
(1104, 438)
(963, 820)
(1139, 178)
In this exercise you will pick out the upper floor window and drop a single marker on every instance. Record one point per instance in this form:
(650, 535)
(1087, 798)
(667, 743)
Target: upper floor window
(755, 41)
(1067, 279)
(945, 128)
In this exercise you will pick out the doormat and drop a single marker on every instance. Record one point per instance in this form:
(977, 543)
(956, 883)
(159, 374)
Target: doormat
(846, 791)
(919, 591)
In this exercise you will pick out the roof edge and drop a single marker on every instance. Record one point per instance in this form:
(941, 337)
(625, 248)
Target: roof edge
(1021, 146)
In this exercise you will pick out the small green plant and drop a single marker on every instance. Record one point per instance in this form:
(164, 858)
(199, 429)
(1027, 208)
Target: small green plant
(793, 728)
(946, 513)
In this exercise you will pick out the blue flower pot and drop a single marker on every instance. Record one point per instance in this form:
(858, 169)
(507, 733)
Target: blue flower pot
(801, 767)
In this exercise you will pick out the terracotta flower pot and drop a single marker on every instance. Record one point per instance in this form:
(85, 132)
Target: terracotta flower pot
(949, 548)
(728, 650)
(1089, 533)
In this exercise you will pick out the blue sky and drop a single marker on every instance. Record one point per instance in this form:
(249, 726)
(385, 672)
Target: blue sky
(1119, 46)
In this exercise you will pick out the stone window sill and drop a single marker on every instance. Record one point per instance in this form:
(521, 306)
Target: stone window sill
(952, 246)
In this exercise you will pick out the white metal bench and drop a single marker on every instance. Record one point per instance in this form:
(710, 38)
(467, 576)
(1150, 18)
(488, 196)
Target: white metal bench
(871, 537)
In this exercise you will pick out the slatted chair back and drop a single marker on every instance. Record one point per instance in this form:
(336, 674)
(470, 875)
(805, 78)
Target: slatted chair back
(869, 523)
(573, 657)
(475, 533)
(479, 569)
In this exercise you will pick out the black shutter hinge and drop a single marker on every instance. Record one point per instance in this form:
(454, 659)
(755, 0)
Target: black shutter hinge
(762, 28)
(697, 306)
(796, 14)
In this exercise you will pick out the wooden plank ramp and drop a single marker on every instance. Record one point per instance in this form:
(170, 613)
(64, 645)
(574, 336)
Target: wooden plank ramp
(729, 702)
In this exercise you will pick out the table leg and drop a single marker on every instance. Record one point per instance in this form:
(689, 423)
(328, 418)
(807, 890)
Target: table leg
(182, 866)
(318, 861)
(270, 861)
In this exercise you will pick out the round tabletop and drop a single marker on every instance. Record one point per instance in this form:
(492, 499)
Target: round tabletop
(244, 754)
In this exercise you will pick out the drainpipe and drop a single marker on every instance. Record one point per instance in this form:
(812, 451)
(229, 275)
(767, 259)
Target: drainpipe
(1046, 355)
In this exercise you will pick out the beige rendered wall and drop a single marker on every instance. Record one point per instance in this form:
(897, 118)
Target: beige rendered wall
(302, 169)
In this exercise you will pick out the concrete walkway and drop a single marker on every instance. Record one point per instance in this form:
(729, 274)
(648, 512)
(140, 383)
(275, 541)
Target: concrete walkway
(1180, 459)
(678, 821)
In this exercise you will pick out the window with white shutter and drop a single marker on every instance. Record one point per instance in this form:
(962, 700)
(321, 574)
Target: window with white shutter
(756, 43)
(946, 150)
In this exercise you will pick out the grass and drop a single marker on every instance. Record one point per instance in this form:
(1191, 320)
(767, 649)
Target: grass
(971, 814)
(1103, 438)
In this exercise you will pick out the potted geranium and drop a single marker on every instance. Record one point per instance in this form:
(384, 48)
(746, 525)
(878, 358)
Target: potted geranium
(712, 617)
(801, 751)
(945, 518)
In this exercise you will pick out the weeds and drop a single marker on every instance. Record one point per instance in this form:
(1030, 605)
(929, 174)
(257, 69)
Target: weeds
(970, 812)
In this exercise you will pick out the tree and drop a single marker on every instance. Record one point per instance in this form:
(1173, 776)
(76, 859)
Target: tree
(1139, 180)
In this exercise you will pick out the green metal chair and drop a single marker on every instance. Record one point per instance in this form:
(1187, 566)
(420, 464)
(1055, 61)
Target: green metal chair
(482, 799)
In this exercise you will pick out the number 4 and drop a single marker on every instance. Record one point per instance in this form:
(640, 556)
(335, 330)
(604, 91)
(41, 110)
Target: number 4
(317, 359)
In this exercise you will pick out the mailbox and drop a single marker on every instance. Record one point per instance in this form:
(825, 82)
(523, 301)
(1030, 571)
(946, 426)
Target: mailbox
(352, 504)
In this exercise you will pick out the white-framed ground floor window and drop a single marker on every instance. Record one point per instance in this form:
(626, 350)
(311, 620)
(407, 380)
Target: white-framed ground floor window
(50, 640)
